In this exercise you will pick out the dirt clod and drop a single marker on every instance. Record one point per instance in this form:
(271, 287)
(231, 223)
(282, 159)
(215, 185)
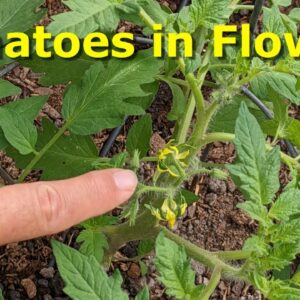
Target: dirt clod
(29, 287)
(47, 272)
(134, 271)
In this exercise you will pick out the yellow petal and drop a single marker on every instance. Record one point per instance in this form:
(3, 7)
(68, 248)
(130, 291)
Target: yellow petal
(183, 208)
(183, 155)
(172, 173)
(171, 218)
(165, 206)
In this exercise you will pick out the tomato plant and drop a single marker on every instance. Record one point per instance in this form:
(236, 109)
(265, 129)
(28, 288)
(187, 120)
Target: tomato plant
(102, 93)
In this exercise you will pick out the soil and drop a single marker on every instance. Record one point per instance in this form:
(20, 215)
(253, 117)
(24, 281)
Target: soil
(27, 269)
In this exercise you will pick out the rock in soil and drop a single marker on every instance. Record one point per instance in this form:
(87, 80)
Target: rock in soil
(29, 287)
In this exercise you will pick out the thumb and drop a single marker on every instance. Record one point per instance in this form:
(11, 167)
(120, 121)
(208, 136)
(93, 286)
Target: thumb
(42, 208)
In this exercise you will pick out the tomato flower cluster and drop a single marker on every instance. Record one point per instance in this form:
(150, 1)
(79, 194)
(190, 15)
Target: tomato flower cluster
(169, 211)
(172, 161)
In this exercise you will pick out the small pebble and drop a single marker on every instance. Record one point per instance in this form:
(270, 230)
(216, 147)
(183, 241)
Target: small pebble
(47, 272)
(134, 271)
(29, 287)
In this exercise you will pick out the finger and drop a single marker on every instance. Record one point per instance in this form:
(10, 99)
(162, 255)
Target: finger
(36, 209)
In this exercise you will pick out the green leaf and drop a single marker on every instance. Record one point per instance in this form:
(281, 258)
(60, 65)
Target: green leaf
(225, 118)
(287, 205)
(86, 17)
(256, 172)
(292, 132)
(282, 83)
(1, 295)
(255, 211)
(99, 101)
(175, 271)
(186, 196)
(145, 247)
(295, 15)
(18, 16)
(143, 267)
(3, 142)
(283, 2)
(131, 210)
(144, 294)
(58, 70)
(28, 108)
(272, 21)
(93, 242)
(280, 256)
(145, 101)
(18, 130)
(70, 156)
(99, 222)
(204, 13)
(83, 276)
(8, 89)
(285, 232)
(257, 245)
(178, 101)
(139, 136)
(284, 293)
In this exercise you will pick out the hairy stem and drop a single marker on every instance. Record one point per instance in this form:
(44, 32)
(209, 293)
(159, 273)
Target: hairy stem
(213, 283)
(209, 259)
(234, 255)
(196, 140)
(145, 228)
(185, 123)
(142, 189)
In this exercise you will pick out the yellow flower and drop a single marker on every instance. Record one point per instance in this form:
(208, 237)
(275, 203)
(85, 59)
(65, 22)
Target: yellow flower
(171, 218)
(171, 160)
(168, 211)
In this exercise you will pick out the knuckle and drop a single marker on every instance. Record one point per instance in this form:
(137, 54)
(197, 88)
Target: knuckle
(52, 205)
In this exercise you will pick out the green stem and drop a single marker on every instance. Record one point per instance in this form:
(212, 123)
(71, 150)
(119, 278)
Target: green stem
(185, 123)
(218, 137)
(178, 81)
(245, 7)
(144, 229)
(146, 18)
(234, 255)
(143, 189)
(211, 84)
(193, 83)
(41, 153)
(209, 259)
(213, 283)
(196, 140)
(149, 159)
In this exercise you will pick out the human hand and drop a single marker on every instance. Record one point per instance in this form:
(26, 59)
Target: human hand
(31, 210)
